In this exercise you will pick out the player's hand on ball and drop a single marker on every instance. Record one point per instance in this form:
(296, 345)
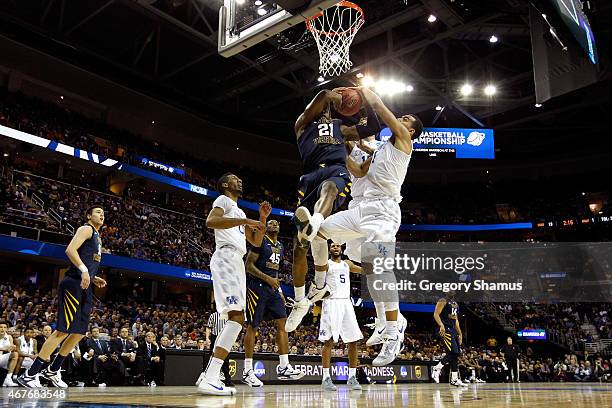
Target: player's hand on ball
(85, 280)
(99, 282)
(335, 99)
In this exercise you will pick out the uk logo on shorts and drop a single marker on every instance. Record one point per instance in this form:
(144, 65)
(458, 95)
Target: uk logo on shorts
(322, 332)
(232, 300)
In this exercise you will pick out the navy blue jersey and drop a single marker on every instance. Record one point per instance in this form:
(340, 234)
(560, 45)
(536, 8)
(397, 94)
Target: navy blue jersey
(90, 253)
(322, 144)
(270, 257)
(449, 313)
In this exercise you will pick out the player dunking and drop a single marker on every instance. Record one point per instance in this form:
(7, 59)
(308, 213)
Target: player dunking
(445, 316)
(338, 318)
(324, 187)
(378, 216)
(228, 273)
(75, 296)
(265, 301)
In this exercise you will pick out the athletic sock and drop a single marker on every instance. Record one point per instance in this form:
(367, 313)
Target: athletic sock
(352, 372)
(320, 278)
(439, 366)
(57, 362)
(300, 292)
(248, 364)
(284, 360)
(326, 373)
(380, 313)
(391, 328)
(37, 366)
(316, 220)
(213, 369)
(454, 376)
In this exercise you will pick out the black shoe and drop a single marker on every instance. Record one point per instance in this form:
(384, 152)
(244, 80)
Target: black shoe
(229, 383)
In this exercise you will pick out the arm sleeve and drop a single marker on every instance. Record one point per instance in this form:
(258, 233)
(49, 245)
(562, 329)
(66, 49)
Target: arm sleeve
(223, 202)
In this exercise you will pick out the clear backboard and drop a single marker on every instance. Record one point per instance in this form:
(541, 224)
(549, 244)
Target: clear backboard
(244, 23)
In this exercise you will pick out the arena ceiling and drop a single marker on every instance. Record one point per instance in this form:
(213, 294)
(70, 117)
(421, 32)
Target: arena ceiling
(168, 49)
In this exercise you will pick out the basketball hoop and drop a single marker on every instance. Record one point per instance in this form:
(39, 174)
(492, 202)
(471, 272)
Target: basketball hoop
(333, 30)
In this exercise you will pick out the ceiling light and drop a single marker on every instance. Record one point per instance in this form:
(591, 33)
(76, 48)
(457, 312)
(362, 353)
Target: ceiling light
(320, 78)
(240, 2)
(493, 39)
(368, 81)
(62, 97)
(466, 89)
(258, 3)
(438, 108)
(152, 122)
(390, 87)
(490, 90)
(5, 154)
(262, 11)
(538, 105)
(432, 18)
(359, 75)
(409, 88)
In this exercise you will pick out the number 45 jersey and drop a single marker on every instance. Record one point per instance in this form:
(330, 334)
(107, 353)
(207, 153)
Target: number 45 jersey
(323, 154)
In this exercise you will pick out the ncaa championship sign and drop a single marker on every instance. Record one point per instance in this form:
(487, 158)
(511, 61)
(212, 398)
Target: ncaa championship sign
(464, 143)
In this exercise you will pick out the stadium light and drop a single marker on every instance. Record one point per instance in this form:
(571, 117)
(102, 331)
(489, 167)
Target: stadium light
(258, 3)
(493, 39)
(359, 75)
(152, 122)
(320, 78)
(538, 105)
(438, 108)
(466, 89)
(490, 90)
(261, 11)
(62, 97)
(368, 81)
(432, 18)
(409, 88)
(241, 2)
(5, 154)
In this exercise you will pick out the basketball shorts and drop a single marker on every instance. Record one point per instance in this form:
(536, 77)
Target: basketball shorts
(309, 187)
(353, 246)
(372, 220)
(338, 320)
(451, 341)
(229, 280)
(75, 306)
(4, 359)
(263, 304)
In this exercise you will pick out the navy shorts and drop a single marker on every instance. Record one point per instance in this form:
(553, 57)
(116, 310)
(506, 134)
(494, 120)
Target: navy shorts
(451, 341)
(75, 305)
(310, 185)
(263, 303)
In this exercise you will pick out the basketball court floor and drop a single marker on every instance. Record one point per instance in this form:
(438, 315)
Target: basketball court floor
(553, 395)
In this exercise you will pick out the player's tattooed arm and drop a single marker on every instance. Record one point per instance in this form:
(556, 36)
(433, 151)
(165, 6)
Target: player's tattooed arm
(253, 270)
(358, 170)
(315, 107)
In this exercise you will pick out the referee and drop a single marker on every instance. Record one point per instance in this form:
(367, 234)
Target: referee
(213, 328)
(511, 354)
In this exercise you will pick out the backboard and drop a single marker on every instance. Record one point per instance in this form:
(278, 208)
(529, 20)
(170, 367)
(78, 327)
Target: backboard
(244, 23)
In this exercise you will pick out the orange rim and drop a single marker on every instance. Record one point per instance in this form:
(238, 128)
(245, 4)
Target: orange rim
(343, 3)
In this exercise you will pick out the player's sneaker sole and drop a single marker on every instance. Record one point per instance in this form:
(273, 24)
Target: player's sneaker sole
(207, 388)
(53, 379)
(301, 219)
(28, 382)
(316, 295)
(299, 311)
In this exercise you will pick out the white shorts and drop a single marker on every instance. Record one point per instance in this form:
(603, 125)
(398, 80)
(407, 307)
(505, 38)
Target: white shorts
(338, 320)
(4, 359)
(353, 246)
(229, 280)
(374, 220)
(27, 362)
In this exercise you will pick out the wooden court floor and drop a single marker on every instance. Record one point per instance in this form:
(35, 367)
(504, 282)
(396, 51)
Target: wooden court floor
(549, 395)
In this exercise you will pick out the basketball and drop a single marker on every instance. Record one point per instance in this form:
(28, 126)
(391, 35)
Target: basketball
(351, 102)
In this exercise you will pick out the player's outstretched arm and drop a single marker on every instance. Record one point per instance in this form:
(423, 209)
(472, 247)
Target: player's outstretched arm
(315, 107)
(255, 236)
(217, 220)
(353, 268)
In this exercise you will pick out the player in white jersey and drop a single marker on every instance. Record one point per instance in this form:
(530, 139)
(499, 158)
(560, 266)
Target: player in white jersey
(26, 349)
(378, 216)
(8, 355)
(338, 318)
(232, 230)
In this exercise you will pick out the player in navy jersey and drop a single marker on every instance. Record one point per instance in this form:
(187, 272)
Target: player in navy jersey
(265, 301)
(75, 296)
(445, 315)
(323, 188)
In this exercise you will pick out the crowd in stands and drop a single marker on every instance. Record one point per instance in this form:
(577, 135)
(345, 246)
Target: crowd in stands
(171, 326)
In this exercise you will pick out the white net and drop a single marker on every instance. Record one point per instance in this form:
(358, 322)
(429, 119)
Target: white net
(333, 31)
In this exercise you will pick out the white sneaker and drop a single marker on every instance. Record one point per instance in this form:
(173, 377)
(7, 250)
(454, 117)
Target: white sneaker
(289, 373)
(8, 382)
(389, 352)
(200, 378)
(479, 381)
(207, 387)
(250, 379)
(328, 385)
(402, 323)
(316, 294)
(54, 378)
(458, 383)
(298, 311)
(377, 336)
(152, 384)
(353, 384)
(102, 385)
(435, 374)
(29, 381)
(306, 226)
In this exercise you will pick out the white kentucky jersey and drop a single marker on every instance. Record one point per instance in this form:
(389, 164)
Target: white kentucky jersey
(4, 342)
(26, 347)
(230, 236)
(359, 184)
(387, 173)
(338, 279)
